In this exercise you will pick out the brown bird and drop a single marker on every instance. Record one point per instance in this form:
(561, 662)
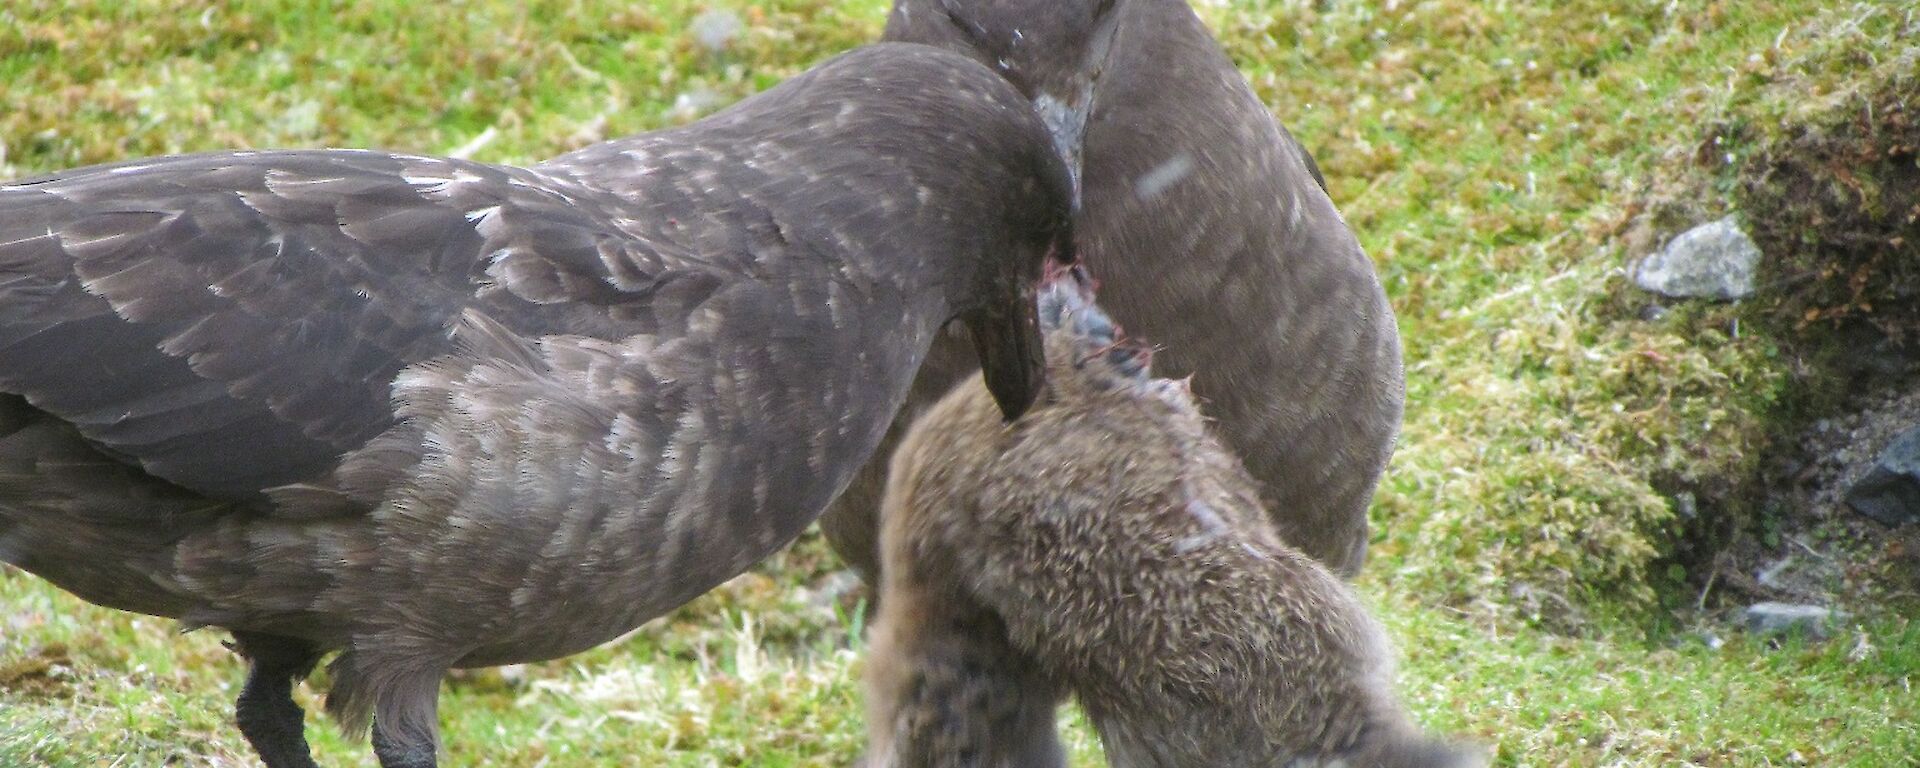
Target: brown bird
(432, 413)
(1106, 545)
(1212, 231)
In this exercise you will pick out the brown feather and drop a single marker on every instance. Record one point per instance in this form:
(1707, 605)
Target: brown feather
(438, 413)
(1212, 229)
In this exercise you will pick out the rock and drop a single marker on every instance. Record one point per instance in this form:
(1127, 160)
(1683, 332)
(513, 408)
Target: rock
(1711, 261)
(1785, 618)
(716, 29)
(828, 595)
(1685, 505)
(694, 103)
(1890, 492)
(1769, 576)
(832, 588)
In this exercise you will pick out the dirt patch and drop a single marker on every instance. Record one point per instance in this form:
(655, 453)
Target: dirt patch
(1810, 547)
(1836, 208)
(46, 671)
(1829, 189)
(1834, 203)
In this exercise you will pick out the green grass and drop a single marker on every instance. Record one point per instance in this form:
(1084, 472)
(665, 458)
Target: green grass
(1500, 161)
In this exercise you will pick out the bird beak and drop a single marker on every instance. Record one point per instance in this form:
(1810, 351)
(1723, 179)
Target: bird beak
(1006, 336)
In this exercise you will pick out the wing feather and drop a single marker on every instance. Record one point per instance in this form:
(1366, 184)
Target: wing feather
(235, 321)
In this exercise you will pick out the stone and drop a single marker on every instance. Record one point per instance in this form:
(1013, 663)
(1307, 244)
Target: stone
(1715, 260)
(1890, 492)
(832, 588)
(1685, 505)
(694, 103)
(715, 30)
(1814, 621)
(1769, 576)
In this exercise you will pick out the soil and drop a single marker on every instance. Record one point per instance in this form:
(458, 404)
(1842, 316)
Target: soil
(1809, 546)
(1834, 203)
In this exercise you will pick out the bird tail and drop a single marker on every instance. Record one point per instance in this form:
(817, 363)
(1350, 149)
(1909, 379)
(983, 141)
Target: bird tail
(92, 525)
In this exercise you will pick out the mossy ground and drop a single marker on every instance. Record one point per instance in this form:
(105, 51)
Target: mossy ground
(1500, 161)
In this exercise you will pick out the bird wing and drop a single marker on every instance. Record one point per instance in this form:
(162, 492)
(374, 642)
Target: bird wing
(234, 321)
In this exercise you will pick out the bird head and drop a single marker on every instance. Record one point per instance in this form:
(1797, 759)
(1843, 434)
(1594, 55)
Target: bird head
(1039, 45)
(1051, 50)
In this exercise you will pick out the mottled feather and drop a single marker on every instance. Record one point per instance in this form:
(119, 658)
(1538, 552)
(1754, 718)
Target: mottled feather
(1212, 229)
(435, 412)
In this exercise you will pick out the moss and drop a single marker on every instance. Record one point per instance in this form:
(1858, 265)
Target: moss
(37, 673)
(1813, 142)
(1833, 199)
(1809, 139)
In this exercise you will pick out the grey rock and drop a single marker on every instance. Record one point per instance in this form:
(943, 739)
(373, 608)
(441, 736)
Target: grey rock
(1715, 260)
(1890, 492)
(1685, 505)
(1769, 576)
(829, 589)
(694, 103)
(1786, 618)
(715, 30)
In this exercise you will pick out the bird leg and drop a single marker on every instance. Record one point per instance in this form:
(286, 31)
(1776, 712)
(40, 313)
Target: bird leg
(265, 711)
(406, 731)
(399, 752)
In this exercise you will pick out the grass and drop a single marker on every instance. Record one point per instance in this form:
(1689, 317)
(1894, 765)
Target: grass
(1500, 161)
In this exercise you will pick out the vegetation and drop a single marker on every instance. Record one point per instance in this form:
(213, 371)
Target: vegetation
(1500, 161)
